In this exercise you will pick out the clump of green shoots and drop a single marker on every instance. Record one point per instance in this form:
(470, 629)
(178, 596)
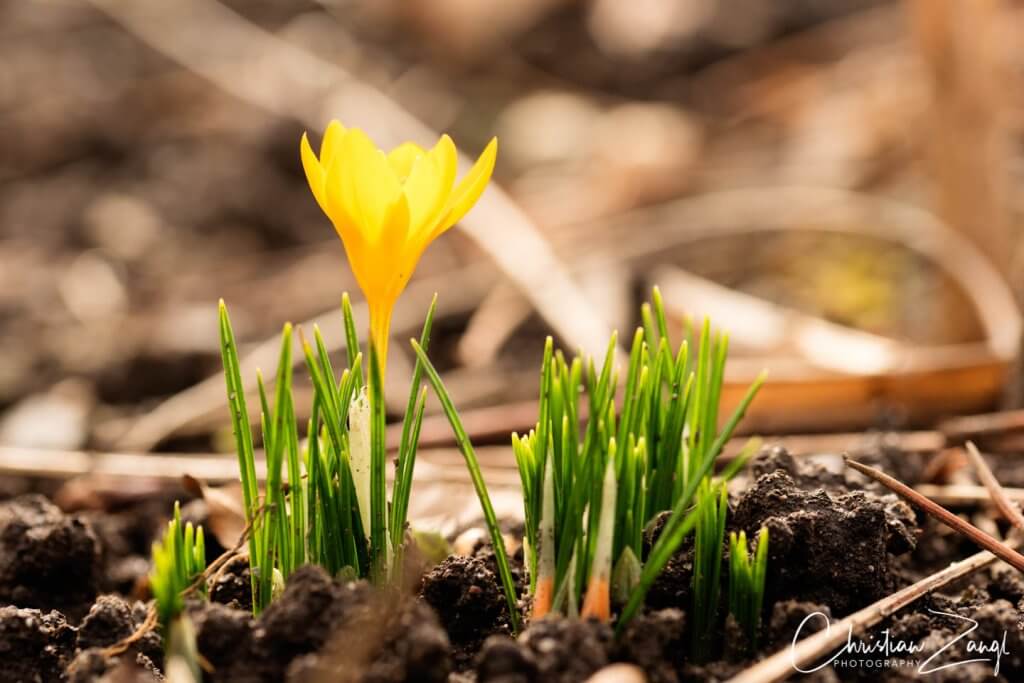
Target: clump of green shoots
(179, 559)
(711, 510)
(746, 582)
(594, 475)
(333, 509)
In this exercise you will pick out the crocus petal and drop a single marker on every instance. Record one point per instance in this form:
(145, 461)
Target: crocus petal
(446, 157)
(337, 207)
(389, 249)
(355, 247)
(429, 187)
(369, 188)
(409, 260)
(315, 174)
(403, 157)
(426, 194)
(329, 145)
(387, 208)
(468, 191)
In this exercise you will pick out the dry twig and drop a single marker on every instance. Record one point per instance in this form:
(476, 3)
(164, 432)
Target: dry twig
(1009, 508)
(963, 495)
(993, 545)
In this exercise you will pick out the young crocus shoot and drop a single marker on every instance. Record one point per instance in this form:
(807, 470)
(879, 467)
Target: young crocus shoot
(179, 558)
(746, 583)
(333, 508)
(608, 478)
(597, 602)
(388, 206)
(650, 440)
(711, 509)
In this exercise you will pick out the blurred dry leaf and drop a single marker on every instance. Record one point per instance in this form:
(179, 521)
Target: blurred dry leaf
(225, 511)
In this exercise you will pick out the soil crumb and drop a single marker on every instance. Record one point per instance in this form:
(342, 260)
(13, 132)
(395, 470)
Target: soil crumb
(48, 560)
(671, 588)
(552, 650)
(805, 473)
(92, 666)
(833, 549)
(34, 645)
(469, 601)
(223, 635)
(811, 473)
(655, 641)
(112, 619)
(324, 629)
(232, 586)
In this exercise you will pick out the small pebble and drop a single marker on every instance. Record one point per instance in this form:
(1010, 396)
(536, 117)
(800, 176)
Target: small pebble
(619, 673)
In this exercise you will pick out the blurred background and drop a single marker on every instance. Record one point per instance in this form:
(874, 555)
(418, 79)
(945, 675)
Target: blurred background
(835, 182)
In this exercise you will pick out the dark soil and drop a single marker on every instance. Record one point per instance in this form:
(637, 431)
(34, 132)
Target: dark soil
(34, 645)
(948, 628)
(814, 535)
(320, 626)
(555, 650)
(92, 665)
(672, 587)
(655, 641)
(56, 568)
(233, 586)
(113, 619)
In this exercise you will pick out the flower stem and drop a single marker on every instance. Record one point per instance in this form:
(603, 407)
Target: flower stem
(380, 330)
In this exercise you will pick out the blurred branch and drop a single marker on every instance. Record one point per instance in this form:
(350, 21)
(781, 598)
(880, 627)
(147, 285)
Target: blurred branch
(768, 327)
(260, 68)
(646, 234)
(958, 43)
(493, 322)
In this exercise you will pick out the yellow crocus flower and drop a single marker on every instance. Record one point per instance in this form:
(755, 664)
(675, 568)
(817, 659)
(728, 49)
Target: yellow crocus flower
(387, 207)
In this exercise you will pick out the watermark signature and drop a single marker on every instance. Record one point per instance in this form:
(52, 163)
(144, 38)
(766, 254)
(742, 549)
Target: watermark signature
(886, 651)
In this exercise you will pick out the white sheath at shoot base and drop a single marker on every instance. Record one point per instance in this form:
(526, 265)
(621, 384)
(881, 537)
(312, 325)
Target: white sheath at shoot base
(597, 603)
(359, 453)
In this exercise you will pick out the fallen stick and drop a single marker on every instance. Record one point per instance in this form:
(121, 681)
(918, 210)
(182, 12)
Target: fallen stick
(767, 327)
(210, 469)
(216, 468)
(981, 425)
(999, 495)
(963, 495)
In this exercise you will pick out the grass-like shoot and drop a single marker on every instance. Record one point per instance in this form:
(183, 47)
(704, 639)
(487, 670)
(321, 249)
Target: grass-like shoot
(179, 558)
(747, 572)
(595, 474)
(333, 510)
(631, 463)
(711, 510)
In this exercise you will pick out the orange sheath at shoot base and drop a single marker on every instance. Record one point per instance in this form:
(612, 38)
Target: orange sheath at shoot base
(597, 603)
(542, 598)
